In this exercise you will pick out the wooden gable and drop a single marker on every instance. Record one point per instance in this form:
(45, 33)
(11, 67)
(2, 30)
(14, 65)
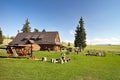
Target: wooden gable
(57, 38)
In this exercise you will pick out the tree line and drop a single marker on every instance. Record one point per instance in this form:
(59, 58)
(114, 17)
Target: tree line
(27, 28)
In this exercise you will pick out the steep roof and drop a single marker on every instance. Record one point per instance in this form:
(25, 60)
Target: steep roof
(36, 37)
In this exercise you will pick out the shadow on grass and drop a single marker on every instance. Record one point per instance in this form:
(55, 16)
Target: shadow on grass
(19, 57)
(3, 57)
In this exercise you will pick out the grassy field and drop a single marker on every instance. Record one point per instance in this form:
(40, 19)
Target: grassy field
(80, 67)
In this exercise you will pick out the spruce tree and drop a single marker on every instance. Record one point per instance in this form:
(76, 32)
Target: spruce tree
(80, 36)
(68, 43)
(1, 37)
(26, 27)
(43, 30)
(36, 30)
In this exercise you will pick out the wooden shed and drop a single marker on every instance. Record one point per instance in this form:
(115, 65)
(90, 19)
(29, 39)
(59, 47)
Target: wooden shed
(39, 40)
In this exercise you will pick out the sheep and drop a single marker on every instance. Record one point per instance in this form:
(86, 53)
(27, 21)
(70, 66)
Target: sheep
(44, 58)
(61, 60)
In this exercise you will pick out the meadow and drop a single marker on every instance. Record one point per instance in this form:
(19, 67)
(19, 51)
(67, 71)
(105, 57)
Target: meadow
(80, 67)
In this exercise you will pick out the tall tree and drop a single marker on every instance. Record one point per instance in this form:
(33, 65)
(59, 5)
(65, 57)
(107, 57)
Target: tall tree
(68, 43)
(36, 30)
(26, 27)
(43, 30)
(80, 36)
(1, 37)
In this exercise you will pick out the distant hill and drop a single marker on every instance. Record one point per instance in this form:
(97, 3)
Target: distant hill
(107, 44)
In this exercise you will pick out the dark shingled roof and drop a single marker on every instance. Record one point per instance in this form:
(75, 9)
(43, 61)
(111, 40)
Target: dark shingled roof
(36, 37)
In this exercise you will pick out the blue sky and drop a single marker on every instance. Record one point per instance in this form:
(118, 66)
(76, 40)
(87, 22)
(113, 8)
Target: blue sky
(101, 18)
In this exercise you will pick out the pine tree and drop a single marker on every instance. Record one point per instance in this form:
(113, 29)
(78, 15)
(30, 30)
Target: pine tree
(1, 37)
(77, 36)
(43, 30)
(36, 30)
(68, 43)
(80, 36)
(26, 27)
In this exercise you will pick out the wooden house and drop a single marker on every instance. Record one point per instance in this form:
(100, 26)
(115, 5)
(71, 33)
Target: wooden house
(38, 40)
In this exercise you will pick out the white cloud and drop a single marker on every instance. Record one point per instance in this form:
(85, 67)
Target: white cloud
(104, 41)
(72, 32)
(68, 41)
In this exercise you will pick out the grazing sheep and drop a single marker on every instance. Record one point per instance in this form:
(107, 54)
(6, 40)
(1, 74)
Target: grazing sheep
(61, 60)
(95, 53)
(68, 60)
(53, 60)
(44, 58)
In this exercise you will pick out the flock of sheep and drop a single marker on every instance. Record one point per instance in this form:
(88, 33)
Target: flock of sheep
(61, 60)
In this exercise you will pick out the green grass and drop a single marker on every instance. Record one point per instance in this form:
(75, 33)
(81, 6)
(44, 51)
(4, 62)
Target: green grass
(80, 67)
(105, 48)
